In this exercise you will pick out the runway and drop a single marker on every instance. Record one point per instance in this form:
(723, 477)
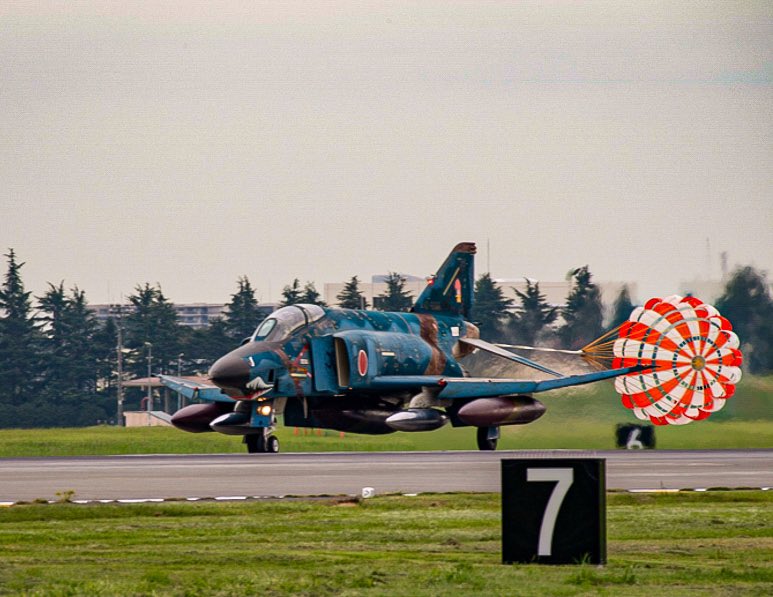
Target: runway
(310, 474)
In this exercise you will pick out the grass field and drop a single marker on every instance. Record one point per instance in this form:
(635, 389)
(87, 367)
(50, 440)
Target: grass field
(678, 544)
(580, 418)
(717, 543)
(578, 434)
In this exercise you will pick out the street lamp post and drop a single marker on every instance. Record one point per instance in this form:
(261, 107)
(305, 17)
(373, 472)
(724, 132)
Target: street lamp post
(119, 387)
(149, 346)
(179, 374)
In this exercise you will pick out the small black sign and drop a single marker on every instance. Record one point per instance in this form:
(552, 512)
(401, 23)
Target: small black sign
(632, 437)
(554, 511)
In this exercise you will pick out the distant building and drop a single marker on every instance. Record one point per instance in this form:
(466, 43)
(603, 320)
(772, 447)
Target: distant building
(382, 278)
(198, 315)
(706, 290)
(105, 312)
(193, 315)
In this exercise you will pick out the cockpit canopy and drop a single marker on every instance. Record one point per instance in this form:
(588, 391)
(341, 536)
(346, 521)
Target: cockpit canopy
(282, 322)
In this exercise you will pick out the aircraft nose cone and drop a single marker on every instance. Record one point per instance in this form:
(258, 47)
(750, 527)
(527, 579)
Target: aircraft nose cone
(231, 374)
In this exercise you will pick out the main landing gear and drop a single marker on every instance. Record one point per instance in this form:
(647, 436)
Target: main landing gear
(487, 438)
(261, 442)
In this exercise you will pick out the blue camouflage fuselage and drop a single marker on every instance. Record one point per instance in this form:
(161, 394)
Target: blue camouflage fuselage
(363, 344)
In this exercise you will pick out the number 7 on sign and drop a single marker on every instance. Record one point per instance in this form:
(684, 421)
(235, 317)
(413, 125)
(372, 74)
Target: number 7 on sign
(564, 478)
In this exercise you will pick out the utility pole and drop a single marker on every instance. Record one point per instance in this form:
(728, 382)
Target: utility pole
(179, 374)
(119, 390)
(723, 264)
(149, 346)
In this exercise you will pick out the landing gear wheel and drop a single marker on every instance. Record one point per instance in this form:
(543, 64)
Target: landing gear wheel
(487, 438)
(256, 443)
(261, 442)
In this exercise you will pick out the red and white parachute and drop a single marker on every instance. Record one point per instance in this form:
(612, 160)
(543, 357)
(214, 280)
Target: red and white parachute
(694, 357)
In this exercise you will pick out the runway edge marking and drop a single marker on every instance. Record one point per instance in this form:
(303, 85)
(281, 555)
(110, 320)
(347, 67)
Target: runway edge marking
(227, 498)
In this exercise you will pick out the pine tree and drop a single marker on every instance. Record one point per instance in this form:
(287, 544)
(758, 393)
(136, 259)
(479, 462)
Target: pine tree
(533, 315)
(81, 326)
(69, 334)
(204, 346)
(153, 321)
(622, 308)
(351, 297)
(105, 345)
(243, 315)
(72, 364)
(747, 304)
(291, 294)
(20, 349)
(395, 298)
(583, 313)
(310, 296)
(490, 308)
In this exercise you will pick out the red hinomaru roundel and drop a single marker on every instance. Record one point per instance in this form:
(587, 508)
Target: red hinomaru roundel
(362, 363)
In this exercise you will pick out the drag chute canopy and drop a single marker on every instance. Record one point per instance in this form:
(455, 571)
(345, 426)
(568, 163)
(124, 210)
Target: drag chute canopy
(694, 358)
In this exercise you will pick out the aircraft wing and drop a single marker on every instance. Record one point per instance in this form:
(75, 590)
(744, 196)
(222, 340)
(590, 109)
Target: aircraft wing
(195, 388)
(456, 388)
(478, 387)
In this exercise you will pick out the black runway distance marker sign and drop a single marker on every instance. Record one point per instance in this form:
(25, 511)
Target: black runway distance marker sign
(554, 511)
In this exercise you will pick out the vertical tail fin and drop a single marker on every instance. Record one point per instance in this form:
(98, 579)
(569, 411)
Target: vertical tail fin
(450, 291)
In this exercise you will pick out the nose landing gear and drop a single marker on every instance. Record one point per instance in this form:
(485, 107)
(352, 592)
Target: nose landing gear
(262, 442)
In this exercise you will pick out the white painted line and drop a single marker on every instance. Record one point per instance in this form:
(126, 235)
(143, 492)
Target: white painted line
(653, 491)
(6, 504)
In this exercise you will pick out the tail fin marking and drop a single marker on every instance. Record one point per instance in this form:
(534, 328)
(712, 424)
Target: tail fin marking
(450, 291)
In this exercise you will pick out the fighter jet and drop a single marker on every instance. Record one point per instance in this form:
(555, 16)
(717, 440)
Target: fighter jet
(369, 372)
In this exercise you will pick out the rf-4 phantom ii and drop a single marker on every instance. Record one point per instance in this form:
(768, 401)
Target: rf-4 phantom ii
(369, 372)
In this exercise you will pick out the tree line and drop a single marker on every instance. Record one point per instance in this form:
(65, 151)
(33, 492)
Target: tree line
(58, 362)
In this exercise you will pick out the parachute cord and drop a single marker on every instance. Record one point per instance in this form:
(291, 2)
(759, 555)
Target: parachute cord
(540, 349)
(602, 348)
(595, 359)
(598, 341)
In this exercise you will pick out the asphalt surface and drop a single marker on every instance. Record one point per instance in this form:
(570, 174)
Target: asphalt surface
(273, 475)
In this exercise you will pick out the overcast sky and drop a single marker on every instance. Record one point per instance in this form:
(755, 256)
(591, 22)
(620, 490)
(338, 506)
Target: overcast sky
(192, 143)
